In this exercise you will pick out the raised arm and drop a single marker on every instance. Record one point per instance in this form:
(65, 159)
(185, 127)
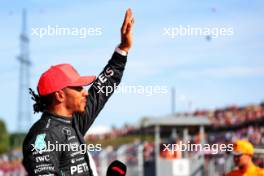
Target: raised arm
(109, 78)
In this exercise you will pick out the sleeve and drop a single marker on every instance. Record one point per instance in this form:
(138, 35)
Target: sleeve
(39, 157)
(101, 90)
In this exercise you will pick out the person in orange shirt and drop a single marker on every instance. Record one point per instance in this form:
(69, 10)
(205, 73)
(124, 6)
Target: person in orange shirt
(243, 152)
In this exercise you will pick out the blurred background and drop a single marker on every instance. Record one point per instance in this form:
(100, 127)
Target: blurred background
(205, 56)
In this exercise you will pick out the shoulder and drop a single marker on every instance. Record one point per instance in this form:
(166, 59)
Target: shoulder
(45, 129)
(42, 125)
(260, 171)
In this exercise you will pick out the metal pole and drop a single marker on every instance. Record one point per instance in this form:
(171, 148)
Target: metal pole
(202, 142)
(140, 160)
(157, 149)
(185, 139)
(202, 135)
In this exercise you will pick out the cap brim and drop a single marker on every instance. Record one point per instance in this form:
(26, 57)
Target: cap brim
(84, 81)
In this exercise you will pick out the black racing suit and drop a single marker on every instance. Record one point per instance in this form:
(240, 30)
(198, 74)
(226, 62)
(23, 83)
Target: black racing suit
(52, 130)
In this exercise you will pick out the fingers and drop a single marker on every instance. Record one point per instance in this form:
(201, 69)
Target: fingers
(124, 26)
(130, 25)
(127, 21)
(128, 13)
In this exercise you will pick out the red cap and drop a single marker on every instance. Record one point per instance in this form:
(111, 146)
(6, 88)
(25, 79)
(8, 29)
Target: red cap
(60, 76)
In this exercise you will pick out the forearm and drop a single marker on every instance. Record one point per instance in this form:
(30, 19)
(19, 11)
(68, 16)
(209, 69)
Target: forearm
(101, 90)
(110, 76)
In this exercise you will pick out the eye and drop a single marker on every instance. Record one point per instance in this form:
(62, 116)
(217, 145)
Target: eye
(77, 88)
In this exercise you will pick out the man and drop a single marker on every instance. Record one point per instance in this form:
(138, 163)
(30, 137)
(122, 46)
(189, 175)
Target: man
(55, 144)
(243, 152)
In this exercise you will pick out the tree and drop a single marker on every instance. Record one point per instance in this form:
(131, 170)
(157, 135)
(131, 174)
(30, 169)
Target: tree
(4, 138)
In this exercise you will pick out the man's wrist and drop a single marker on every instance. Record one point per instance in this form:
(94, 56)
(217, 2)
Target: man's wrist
(121, 51)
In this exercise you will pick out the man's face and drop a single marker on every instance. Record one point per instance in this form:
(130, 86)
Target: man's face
(75, 98)
(241, 160)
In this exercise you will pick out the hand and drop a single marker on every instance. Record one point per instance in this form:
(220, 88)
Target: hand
(126, 31)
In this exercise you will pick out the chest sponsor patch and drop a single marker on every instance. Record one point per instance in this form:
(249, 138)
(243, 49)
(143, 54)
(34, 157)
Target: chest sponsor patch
(40, 143)
(79, 169)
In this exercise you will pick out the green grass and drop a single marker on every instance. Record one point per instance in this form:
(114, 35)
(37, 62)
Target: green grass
(116, 142)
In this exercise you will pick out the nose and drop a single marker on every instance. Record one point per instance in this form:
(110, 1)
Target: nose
(85, 92)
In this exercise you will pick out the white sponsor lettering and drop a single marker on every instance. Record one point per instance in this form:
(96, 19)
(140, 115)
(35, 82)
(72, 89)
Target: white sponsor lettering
(109, 72)
(80, 168)
(71, 137)
(43, 167)
(42, 158)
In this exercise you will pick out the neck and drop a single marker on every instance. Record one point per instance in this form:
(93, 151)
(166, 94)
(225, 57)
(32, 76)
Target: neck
(247, 166)
(59, 110)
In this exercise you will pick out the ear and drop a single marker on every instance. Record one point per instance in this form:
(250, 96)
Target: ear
(60, 96)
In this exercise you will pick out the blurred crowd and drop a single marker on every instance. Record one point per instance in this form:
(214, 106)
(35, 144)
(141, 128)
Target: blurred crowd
(233, 115)
(255, 134)
(10, 163)
(228, 116)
